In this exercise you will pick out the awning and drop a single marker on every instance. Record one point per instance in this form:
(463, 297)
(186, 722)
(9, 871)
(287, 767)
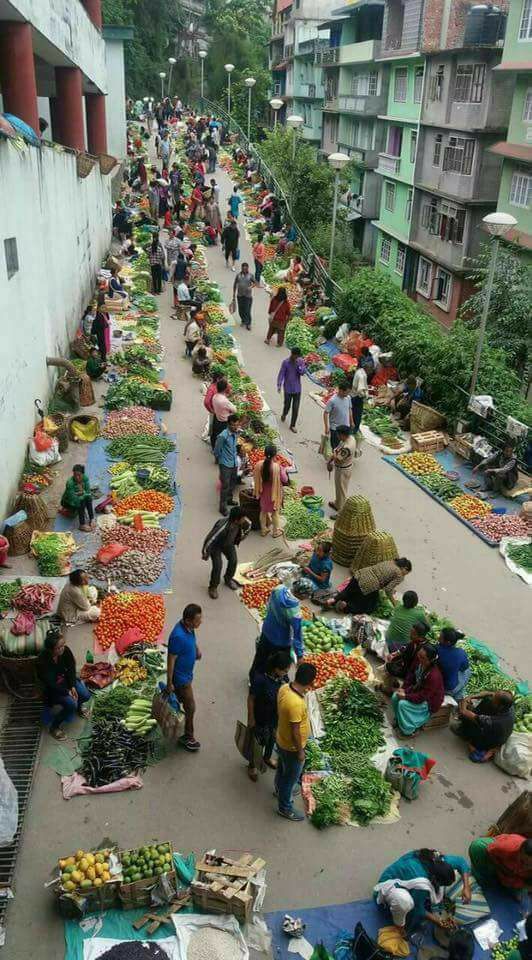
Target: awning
(515, 66)
(353, 215)
(327, 24)
(514, 151)
(282, 5)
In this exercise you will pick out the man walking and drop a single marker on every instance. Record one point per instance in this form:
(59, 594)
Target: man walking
(341, 462)
(183, 652)
(337, 413)
(243, 293)
(225, 453)
(359, 393)
(293, 730)
(289, 377)
(222, 541)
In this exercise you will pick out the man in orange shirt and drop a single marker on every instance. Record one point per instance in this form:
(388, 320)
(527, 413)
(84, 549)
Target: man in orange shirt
(506, 859)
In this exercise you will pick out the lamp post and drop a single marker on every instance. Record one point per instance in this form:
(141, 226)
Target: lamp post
(276, 105)
(295, 122)
(229, 67)
(250, 83)
(497, 224)
(171, 61)
(202, 54)
(162, 76)
(337, 162)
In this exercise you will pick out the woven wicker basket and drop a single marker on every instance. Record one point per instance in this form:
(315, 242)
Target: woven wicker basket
(84, 164)
(19, 537)
(353, 524)
(86, 391)
(425, 418)
(61, 434)
(84, 419)
(377, 546)
(107, 163)
(35, 508)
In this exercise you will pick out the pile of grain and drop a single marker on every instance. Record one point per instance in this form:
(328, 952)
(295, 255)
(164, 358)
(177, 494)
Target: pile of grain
(212, 944)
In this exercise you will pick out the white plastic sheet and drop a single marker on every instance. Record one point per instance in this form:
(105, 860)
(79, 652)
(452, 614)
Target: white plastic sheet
(503, 548)
(8, 807)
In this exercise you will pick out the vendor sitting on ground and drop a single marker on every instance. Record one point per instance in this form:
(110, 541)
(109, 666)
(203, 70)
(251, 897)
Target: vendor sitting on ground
(411, 885)
(94, 366)
(453, 662)
(403, 618)
(500, 469)
(77, 600)
(77, 497)
(505, 859)
(361, 594)
(423, 692)
(485, 721)
(320, 566)
(201, 359)
(56, 668)
(403, 398)
(116, 287)
(399, 663)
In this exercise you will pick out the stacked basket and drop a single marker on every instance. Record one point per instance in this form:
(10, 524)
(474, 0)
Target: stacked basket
(353, 524)
(376, 547)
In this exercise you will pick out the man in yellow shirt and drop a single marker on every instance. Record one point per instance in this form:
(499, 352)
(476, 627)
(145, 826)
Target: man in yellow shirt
(293, 730)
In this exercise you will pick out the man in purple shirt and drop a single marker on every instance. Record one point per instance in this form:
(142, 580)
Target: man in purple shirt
(292, 369)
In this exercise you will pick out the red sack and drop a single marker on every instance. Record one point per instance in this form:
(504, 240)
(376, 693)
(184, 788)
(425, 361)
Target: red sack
(41, 440)
(23, 624)
(131, 636)
(110, 552)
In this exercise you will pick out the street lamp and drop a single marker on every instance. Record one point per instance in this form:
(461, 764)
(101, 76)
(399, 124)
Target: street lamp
(171, 61)
(276, 105)
(202, 54)
(162, 76)
(229, 67)
(250, 83)
(337, 162)
(498, 224)
(295, 122)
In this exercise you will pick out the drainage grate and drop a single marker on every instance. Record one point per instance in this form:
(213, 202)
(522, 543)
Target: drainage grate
(19, 747)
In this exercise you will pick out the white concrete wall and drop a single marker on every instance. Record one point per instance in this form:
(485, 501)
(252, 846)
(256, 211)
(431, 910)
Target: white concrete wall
(66, 25)
(115, 102)
(62, 226)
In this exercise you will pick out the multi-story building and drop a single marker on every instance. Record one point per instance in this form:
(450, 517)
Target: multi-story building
(515, 194)
(355, 94)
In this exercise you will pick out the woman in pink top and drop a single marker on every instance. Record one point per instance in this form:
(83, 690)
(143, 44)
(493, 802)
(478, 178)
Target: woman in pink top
(222, 408)
(269, 478)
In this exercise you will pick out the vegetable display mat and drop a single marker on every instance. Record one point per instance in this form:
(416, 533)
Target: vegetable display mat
(449, 461)
(115, 925)
(97, 470)
(328, 922)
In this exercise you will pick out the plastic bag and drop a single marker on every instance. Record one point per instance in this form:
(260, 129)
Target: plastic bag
(44, 457)
(391, 940)
(8, 807)
(23, 624)
(325, 446)
(110, 552)
(515, 756)
(133, 635)
(41, 440)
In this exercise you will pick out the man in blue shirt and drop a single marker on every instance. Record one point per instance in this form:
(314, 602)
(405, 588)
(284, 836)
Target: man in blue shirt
(234, 202)
(225, 454)
(183, 652)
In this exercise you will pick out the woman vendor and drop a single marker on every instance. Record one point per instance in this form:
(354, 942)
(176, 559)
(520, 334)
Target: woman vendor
(278, 316)
(361, 594)
(404, 616)
(77, 497)
(453, 662)
(423, 692)
(94, 366)
(505, 859)
(269, 477)
(56, 668)
(116, 288)
(262, 708)
(485, 721)
(101, 327)
(281, 629)
(417, 881)
(399, 663)
(320, 566)
(77, 600)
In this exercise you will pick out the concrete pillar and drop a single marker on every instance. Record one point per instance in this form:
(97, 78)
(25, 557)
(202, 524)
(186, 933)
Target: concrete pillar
(69, 108)
(94, 11)
(17, 72)
(96, 128)
(54, 119)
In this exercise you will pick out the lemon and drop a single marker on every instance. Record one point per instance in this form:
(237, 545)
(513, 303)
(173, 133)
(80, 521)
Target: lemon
(99, 869)
(106, 876)
(91, 859)
(69, 885)
(91, 873)
(83, 864)
(76, 876)
(79, 855)
(98, 882)
(99, 858)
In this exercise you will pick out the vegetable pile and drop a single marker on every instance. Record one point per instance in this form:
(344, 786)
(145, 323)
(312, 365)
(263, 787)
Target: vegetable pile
(523, 714)
(352, 717)
(8, 590)
(469, 507)
(495, 527)
(441, 486)
(150, 500)
(129, 671)
(300, 522)
(52, 552)
(419, 464)
(140, 449)
(112, 752)
(129, 391)
(485, 674)
(37, 598)
(318, 638)
(129, 421)
(256, 594)
(329, 665)
(133, 567)
(146, 862)
(121, 611)
(152, 540)
(112, 704)
(521, 554)
(85, 870)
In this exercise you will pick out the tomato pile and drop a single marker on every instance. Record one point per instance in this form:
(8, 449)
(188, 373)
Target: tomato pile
(470, 507)
(254, 399)
(255, 456)
(329, 665)
(121, 611)
(256, 594)
(150, 500)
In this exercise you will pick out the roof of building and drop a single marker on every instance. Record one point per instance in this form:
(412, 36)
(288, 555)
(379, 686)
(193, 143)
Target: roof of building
(521, 66)
(515, 151)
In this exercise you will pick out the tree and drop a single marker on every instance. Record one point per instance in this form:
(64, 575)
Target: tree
(155, 23)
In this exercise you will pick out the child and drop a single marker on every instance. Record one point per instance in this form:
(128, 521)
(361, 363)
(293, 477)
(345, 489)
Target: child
(320, 567)
(94, 365)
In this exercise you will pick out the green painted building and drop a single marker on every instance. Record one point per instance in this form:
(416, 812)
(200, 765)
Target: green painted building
(515, 193)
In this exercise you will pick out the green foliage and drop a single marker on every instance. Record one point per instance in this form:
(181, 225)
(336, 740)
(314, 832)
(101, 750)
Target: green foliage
(444, 359)
(346, 257)
(155, 23)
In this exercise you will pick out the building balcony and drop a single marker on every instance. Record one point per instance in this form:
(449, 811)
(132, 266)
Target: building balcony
(348, 53)
(327, 56)
(450, 255)
(366, 105)
(362, 157)
(330, 103)
(308, 48)
(357, 207)
(309, 91)
(388, 164)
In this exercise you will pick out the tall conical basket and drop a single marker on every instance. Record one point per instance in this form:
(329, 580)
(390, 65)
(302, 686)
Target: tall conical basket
(353, 524)
(377, 546)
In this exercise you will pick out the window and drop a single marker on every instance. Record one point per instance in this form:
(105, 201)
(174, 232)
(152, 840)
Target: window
(408, 208)
(389, 196)
(307, 115)
(444, 283)
(413, 144)
(400, 259)
(430, 218)
(395, 141)
(436, 83)
(527, 106)
(364, 84)
(436, 156)
(520, 191)
(469, 83)
(11, 255)
(418, 84)
(458, 155)
(401, 83)
(443, 220)
(525, 30)
(424, 277)
(373, 82)
(386, 249)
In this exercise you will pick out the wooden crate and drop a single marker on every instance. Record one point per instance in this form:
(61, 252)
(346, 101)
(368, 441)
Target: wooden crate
(138, 893)
(80, 901)
(429, 442)
(226, 887)
(462, 446)
(440, 718)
